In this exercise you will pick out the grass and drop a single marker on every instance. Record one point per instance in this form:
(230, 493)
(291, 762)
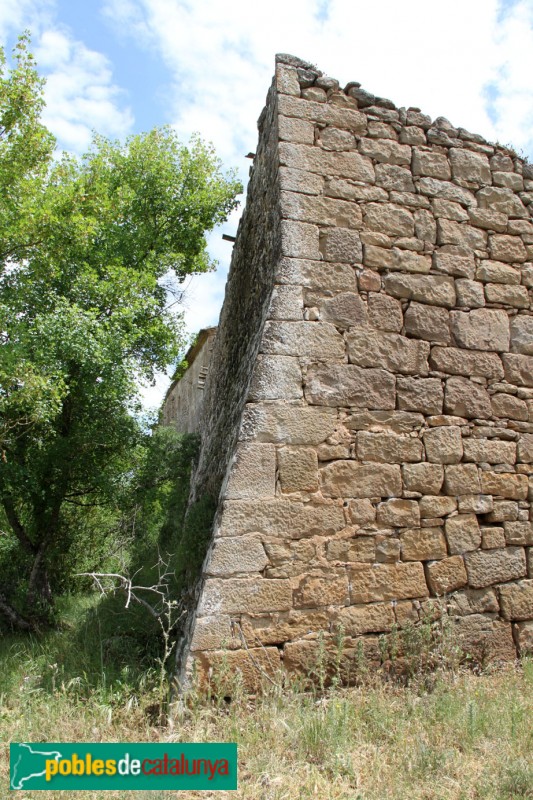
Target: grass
(458, 737)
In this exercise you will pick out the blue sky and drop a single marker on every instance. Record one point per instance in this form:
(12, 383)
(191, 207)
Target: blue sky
(123, 66)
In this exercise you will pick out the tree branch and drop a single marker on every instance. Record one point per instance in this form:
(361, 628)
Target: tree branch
(18, 528)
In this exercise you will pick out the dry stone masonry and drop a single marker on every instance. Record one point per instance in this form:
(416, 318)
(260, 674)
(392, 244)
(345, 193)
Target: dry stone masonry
(368, 421)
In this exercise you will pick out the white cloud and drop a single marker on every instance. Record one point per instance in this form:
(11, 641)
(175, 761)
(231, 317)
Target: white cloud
(80, 94)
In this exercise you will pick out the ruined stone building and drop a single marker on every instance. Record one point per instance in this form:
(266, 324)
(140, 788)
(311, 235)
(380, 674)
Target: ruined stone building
(367, 418)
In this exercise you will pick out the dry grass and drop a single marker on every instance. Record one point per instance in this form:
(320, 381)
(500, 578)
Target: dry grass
(469, 738)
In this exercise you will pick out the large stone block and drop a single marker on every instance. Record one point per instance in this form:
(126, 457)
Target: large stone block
(394, 258)
(298, 469)
(447, 575)
(276, 378)
(518, 532)
(428, 322)
(283, 518)
(296, 130)
(506, 405)
(373, 618)
(497, 272)
(462, 533)
(434, 290)
(331, 164)
(388, 218)
(326, 113)
(485, 639)
(460, 264)
(299, 240)
(350, 479)
(385, 312)
(284, 424)
(344, 310)
(386, 151)
(420, 394)
(398, 514)
(316, 275)
(314, 591)
(432, 187)
(525, 448)
(504, 484)
(245, 595)
(361, 548)
(394, 178)
(423, 544)
(396, 353)
(464, 398)
(509, 249)
(481, 329)
(524, 638)
(486, 567)
(232, 555)
(459, 235)
(395, 421)
(212, 632)
(432, 506)
(251, 664)
(471, 167)
(341, 245)
(286, 303)
(522, 335)
(298, 180)
(518, 369)
(388, 447)
(253, 473)
(469, 293)
(462, 479)
(516, 600)
(431, 164)
(503, 200)
(349, 385)
(462, 362)
(320, 210)
(515, 296)
(443, 445)
(424, 478)
(491, 451)
(380, 582)
(318, 340)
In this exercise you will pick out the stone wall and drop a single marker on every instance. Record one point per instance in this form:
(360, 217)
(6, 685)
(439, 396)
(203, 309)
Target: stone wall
(184, 400)
(384, 455)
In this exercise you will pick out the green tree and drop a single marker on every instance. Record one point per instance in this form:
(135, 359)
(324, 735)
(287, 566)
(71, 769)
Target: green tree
(85, 317)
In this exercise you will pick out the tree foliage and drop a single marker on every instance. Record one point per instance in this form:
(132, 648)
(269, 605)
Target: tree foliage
(84, 316)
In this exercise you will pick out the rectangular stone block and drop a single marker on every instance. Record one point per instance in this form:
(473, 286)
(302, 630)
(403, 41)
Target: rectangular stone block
(388, 218)
(385, 151)
(443, 445)
(437, 506)
(283, 518)
(464, 398)
(245, 595)
(253, 472)
(434, 290)
(212, 632)
(432, 187)
(460, 264)
(287, 424)
(298, 469)
(422, 394)
(481, 329)
(382, 582)
(429, 163)
(518, 369)
(299, 240)
(388, 448)
(504, 484)
(462, 533)
(491, 451)
(472, 167)
(515, 296)
(314, 591)
(276, 378)
(350, 479)
(505, 201)
(486, 567)
(349, 385)
(456, 234)
(396, 353)
(316, 275)
(497, 272)
(341, 245)
(525, 448)
(327, 113)
(505, 405)
(373, 618)
(398, 514)
(233, 555)
(428, 322)
(298, 180)
(509, 249)
(423, 544)
(462, 479)
(447, 575)
(361, 548)
(331, 164)
(519, 532)
(424, 478)
(318, 340)
(462, 362)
